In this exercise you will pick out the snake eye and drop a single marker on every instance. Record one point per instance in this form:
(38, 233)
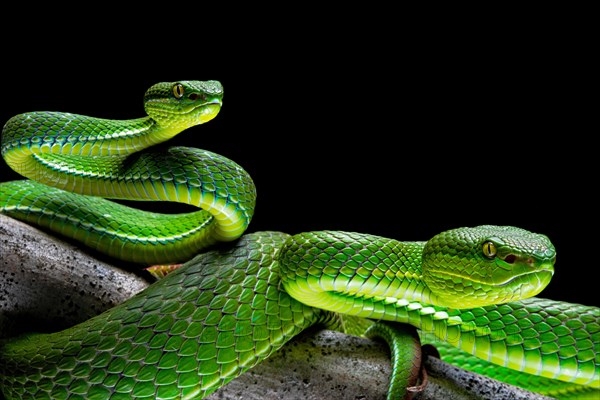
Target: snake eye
(489, 249)
(178, 90)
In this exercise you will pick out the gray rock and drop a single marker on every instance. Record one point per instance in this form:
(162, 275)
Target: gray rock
(48, 282)
(46, 279)
(331, 365)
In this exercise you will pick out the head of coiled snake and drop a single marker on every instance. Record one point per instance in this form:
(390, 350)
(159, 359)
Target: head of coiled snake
(487, 265)
(183, 104)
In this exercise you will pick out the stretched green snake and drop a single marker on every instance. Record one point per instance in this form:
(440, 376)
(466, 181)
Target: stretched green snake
(239, 297)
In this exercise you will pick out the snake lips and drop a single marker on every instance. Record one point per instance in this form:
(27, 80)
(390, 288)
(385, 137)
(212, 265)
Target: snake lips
(527, 284)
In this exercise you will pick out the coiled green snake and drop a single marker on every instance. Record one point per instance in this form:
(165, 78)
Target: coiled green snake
(234, 304)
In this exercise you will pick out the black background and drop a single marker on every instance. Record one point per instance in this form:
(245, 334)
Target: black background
(388, 130)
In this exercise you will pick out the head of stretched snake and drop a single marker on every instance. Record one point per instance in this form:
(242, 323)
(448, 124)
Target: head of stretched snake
(469, 267)
(183, 104)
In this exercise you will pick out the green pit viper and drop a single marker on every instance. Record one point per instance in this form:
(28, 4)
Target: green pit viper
(231, 306)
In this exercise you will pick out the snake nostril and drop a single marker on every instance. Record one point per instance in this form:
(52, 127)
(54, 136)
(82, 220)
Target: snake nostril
(510, 258)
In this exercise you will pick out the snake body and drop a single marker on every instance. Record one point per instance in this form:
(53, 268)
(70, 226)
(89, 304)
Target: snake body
(56, 149)
(229, 308)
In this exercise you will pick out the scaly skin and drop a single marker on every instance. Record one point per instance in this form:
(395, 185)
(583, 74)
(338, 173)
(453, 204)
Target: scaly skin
(183, 337)
(227, 309)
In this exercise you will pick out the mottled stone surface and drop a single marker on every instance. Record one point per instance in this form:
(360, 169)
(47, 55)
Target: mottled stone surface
(46, 282)
(331, 365)
(45, 279)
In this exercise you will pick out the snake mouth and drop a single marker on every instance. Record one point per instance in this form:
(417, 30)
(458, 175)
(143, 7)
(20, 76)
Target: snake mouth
(482, 292)
(208, 107)
(525, 285)
(542, 276)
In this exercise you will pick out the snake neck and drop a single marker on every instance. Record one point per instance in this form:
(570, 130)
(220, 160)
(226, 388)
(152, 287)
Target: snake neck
(29, 139)
(353, 273)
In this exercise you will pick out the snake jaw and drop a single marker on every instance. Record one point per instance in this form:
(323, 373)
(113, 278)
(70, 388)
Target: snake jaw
(208, 110)
(542, 279)
(525, 285)
(528, 273)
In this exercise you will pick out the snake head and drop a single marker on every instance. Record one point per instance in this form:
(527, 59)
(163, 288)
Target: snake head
(471, 267)
(183, 104)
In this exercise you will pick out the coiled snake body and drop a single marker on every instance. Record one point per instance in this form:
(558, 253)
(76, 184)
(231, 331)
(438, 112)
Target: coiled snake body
(230, 307)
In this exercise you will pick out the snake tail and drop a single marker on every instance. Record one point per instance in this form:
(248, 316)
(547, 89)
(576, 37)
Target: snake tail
(405, 351)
